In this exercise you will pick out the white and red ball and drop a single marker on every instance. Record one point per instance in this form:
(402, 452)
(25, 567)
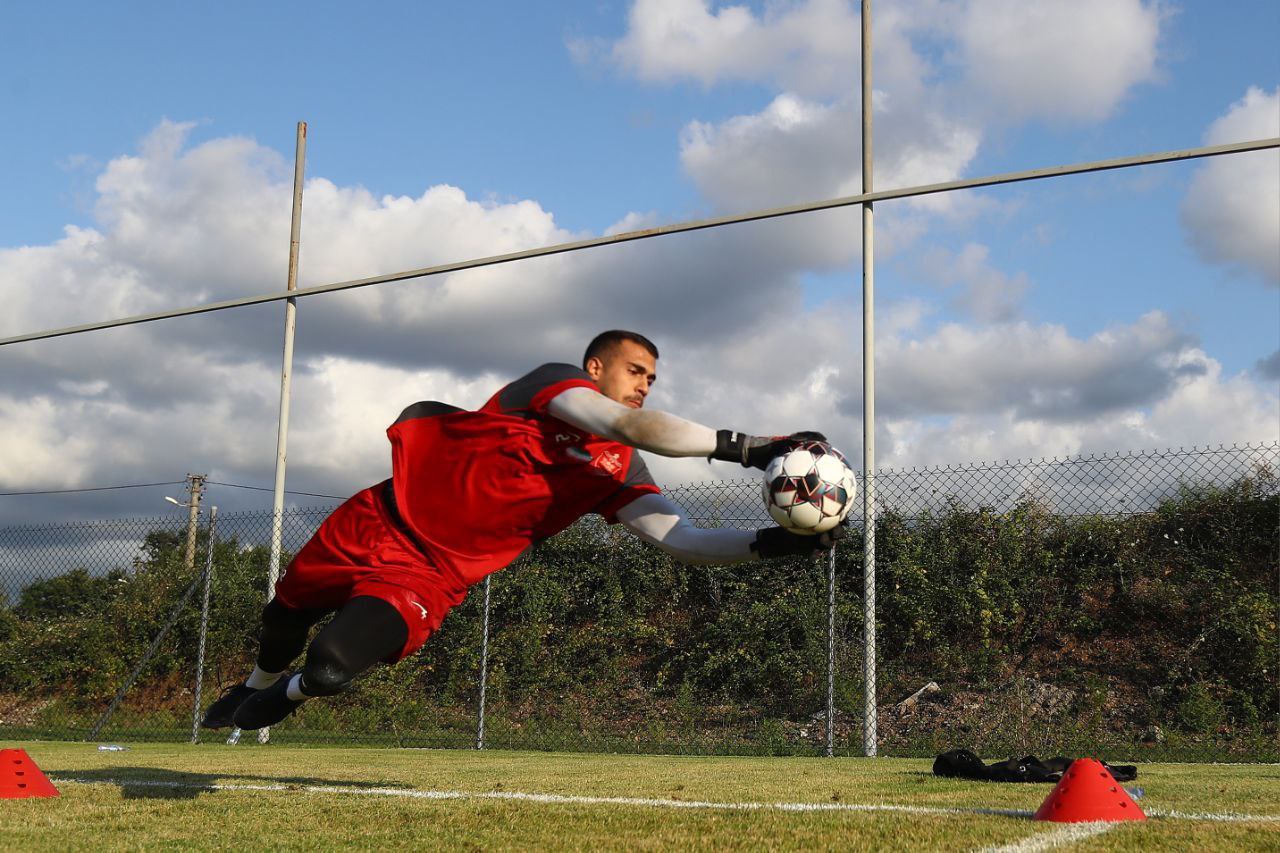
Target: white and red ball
(809, 489)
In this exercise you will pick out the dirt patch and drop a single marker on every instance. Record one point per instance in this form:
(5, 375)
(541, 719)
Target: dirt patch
(21, 710)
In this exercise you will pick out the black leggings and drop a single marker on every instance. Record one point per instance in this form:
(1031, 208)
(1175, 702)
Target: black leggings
(364, 631)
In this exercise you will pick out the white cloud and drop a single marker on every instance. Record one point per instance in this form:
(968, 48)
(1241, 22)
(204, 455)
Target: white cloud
(1013, 59)
(38, 451)
(986, 293)
(176, 211)
(1187, 400)
(1040, 371)
(1057, 61)
(1231, 212)
(805, 45)
(942, 70)
(796, 150)
(345, 405)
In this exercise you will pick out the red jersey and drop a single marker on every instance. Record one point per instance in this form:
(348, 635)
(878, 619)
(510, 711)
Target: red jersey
(478, 488)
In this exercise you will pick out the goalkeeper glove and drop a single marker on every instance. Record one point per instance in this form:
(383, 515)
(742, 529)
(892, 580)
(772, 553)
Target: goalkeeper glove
(779, 542)
(755, 451)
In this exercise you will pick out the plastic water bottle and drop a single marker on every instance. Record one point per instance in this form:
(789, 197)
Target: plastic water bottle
(111, 747)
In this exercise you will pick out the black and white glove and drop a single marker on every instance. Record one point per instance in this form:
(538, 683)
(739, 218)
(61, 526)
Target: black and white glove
(755, 451)
(779, 542)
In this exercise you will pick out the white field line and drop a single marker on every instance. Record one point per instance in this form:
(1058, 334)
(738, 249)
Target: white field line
(1064, 835)
(553, 799)
(569, 799)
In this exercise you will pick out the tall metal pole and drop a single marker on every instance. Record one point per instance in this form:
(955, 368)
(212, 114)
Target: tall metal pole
(204, 623)
(868, 408)
(484, 669)
(831, 652)
(286, 372)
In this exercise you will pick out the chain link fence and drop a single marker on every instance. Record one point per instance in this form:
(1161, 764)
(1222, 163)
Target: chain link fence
(1123, 605)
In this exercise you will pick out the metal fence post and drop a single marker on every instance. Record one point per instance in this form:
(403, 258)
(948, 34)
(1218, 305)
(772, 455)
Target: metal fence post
(831, 652)
(146, 658)
(286, 374)
(204, 624)
(484, 667)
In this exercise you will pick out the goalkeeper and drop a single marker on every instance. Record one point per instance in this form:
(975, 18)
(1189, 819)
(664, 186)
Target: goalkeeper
(471, 491)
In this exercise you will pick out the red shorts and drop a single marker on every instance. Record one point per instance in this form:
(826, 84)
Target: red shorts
(361, 550)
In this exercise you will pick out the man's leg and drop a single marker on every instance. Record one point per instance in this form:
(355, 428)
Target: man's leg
(283, 636)
(365, 631)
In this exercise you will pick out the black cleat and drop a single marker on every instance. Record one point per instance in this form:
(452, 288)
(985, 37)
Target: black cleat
(266, 707)
(220, 712)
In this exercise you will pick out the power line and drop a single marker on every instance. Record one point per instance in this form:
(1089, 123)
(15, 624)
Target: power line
(263, 489)
(168, 483)
(92, 489)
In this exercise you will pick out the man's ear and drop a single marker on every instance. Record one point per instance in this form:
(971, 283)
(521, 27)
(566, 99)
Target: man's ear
(594, 367)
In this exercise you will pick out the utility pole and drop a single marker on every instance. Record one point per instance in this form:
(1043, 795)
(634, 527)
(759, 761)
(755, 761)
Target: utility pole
(195, 486)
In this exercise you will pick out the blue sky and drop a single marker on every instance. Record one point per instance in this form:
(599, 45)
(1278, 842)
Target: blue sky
(481, 95)
(164, 132)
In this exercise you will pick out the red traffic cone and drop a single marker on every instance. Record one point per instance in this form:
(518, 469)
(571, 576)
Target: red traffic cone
(1088, 792)
(19, 777)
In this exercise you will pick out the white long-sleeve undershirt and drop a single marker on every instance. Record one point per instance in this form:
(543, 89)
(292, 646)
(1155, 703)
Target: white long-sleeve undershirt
(657, 432)
(654, 518)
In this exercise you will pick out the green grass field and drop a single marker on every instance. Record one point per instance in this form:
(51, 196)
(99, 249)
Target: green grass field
(220, 797)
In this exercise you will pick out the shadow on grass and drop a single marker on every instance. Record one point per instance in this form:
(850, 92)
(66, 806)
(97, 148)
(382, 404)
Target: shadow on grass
(158, 783)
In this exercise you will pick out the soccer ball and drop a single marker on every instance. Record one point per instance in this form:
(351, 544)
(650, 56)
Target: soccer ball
(809, 489)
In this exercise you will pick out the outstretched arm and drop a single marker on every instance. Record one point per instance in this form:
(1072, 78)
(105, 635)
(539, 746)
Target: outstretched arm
(664, 433)
(654, 518)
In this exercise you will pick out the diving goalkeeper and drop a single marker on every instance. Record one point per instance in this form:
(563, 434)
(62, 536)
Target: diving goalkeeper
(471, 491)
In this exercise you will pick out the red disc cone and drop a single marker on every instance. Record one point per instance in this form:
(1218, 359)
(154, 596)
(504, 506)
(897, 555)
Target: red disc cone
(1088, 792)
(19, 777)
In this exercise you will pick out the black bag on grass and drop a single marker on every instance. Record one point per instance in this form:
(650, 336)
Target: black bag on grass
(963, 764)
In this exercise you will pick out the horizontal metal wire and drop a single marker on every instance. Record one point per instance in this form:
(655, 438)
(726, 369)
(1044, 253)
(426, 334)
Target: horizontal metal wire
(678, 228)
(90, 489)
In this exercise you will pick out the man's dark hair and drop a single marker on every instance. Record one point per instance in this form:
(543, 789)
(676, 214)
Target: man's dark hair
(605, 341)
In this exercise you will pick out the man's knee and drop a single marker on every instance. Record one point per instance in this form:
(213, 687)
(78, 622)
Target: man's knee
(326, 671)
(366, 631)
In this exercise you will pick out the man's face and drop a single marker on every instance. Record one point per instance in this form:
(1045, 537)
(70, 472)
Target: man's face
(624, 373)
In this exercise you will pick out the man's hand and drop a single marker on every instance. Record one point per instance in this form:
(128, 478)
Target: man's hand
(755, 451)
(779, 542)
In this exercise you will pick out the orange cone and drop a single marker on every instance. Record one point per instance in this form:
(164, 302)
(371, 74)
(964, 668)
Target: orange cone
(1088, 792)
(19, 777)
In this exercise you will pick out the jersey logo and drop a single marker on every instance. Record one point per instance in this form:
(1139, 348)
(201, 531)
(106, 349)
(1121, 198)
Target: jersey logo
(563, 437)
(608, 461)
(420, 607)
